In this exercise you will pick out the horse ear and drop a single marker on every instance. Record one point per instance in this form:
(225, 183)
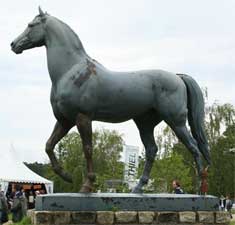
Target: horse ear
(41, 13)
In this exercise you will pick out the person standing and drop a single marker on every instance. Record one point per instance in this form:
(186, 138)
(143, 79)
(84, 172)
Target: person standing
(31, 201)
(19, 207)
(222, 203)
(3, 208)
(176, 187)
(228, 205)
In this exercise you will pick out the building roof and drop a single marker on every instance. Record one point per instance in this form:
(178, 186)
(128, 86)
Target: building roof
(12, 170)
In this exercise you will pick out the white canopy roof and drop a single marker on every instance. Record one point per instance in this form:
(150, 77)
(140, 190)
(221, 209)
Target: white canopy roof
(13, 171)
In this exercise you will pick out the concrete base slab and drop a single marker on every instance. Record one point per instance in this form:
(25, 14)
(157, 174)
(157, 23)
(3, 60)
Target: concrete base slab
(126, 202)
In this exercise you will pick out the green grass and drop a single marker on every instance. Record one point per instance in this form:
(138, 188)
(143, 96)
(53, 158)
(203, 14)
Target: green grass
(232, 223)
(24, 221)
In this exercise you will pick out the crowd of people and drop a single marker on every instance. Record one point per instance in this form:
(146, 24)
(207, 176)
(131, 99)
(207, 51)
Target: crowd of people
(17, 201)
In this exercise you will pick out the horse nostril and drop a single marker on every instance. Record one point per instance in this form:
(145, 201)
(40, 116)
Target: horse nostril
(12, 43)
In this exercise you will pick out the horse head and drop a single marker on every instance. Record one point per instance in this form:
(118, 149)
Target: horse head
(33, 35)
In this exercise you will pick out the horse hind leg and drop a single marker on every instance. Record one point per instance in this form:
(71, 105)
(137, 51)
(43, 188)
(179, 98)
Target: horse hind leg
(146, 134)
(190, 143)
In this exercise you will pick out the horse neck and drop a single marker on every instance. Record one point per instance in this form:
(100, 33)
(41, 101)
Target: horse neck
(64, 49)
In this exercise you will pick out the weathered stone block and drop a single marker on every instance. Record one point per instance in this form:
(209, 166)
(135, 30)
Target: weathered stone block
(43, 218)
(187, 217)
(206, 217)
(61, 217)
(83, 217)
(222, 217)
(167, 217)
(146, 217)
(105, 217)
(31, 215)
(29, 212)
(126, 217)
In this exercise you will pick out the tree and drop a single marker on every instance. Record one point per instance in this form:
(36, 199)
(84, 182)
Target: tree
(220, 126)
(167, 169)
(165, 139)
(107, 146)
(218, 118)
(222, 173)
(39, 168)
(189, 162)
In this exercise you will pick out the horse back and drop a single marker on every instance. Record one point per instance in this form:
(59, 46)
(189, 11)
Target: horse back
(113, 96)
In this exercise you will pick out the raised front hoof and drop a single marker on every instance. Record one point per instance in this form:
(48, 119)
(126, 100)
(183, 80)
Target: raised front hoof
(137, 190)
(85, 189)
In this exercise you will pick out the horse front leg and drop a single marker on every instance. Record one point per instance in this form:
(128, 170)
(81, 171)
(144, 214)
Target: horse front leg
(60, 130)
(84, 126)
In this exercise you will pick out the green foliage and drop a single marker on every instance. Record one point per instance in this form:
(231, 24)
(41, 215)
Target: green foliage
(24, 221)
(107, 146)
(165, 140)
(107, 151)
(173, 151)
(232, 223)
(189, 162)
(167, 169)
(218, 118)
(38, 168)
(222, 172)
(220, 131)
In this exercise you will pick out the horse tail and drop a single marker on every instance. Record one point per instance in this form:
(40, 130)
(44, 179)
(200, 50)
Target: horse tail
(196, 115)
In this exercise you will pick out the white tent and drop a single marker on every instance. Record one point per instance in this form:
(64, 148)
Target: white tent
(11, 170)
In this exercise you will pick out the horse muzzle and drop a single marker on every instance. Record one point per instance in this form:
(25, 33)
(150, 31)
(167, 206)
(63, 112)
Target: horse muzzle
(16, 48)
(20, 44)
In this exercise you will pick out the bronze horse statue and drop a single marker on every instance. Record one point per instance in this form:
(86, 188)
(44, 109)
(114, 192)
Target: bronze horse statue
(83, 91)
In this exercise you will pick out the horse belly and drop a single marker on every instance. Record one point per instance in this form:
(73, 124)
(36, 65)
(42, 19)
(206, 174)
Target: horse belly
(118, 108)
(115, 116)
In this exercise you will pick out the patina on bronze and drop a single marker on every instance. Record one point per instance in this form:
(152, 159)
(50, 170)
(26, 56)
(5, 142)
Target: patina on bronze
(83, 91)
(126, 202)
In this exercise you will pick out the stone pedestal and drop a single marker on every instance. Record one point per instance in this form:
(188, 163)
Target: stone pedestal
(129, 217)
(120, 209)
(126, 202)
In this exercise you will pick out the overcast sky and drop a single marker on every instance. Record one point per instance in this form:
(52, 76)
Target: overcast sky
(192, 37)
